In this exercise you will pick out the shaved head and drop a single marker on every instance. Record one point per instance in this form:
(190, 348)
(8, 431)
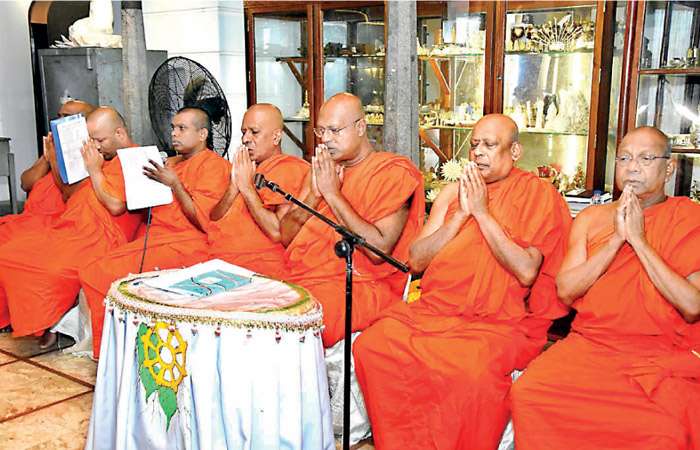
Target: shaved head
(270, 112)
(342, 129)
(494, 146)
(646, 179)
(261, 131)
(345, 103)
(72, 107)
(107, 116)
(108, 129)
(200, 118)
(504, 125)
(654, 137)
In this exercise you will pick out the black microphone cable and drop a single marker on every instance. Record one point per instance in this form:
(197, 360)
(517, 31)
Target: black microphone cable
(145, 238)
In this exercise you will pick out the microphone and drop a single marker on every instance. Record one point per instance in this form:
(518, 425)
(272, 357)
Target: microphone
(163, 156)
(260, 181)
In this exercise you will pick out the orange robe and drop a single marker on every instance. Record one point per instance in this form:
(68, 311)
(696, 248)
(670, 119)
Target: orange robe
(376, 188)
(43, 205)
(173, 241)
(625, 377)
(435, 373)
(238, 239)
(39, 268)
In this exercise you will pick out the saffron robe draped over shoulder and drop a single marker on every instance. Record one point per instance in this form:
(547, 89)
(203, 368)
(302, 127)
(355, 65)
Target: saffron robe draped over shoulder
(44, 204)
(377, 187)
(39, 269)
(435, 373)
(626, 376)
(173, 241)
(238, 239)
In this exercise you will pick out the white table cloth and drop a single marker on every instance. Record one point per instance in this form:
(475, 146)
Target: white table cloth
(187, 378)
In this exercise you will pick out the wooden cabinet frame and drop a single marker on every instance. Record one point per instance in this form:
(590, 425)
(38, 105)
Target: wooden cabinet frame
(313, 78)
(494, 61)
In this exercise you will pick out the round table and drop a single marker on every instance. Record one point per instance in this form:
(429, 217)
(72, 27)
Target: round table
(235, 370)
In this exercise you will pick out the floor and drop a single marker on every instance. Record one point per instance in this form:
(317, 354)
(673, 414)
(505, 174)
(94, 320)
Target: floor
(46, 397)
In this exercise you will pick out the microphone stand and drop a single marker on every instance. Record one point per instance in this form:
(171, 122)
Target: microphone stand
(344, 249)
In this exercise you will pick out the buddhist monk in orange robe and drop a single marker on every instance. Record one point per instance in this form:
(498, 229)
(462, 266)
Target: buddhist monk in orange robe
(435, 373)
(44, 202)
(245, 227)
(628, 374)
(177, 236)
(377, 195)
(39, 269)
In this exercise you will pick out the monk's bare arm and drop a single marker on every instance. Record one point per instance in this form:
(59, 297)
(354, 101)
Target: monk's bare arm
(30, 176)
(382, 234)
(682, 293)
(523, 263)
(436, 233)
(225, 203)
(166, 174)
(115, 206)
(296, 217)
(578, 272)
(267, 220)
(93, 163)
(187, 204)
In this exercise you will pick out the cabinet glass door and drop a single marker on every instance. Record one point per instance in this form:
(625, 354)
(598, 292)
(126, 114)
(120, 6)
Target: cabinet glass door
(547, 89)
(451, 73)
(282, 73)
(353, 60)
(669, 85)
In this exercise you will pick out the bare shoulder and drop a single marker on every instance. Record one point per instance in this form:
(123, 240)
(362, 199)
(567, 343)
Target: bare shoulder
(594, 217)
(447, 195)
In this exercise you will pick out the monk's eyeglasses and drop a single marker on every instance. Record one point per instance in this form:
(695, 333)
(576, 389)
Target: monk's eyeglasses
(321, 131)
(643, 160)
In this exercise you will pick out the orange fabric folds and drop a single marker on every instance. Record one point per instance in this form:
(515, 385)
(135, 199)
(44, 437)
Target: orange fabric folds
(43, 205)
(375, 188)
(435, 373)
(238, 239)
(173, 241)
(626, 376)
(39, 268)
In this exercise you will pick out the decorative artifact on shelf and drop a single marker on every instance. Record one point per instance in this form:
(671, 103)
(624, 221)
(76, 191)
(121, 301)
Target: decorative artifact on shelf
(566, 183)
(565, 35)
(694, 192)
(303, 113)
(336, 49)
(564, 112)
(692, 59)
(464, 115)
(374, 112)
(694, 138)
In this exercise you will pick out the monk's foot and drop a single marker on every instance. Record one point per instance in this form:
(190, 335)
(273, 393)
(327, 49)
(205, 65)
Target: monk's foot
(7, 329)
(48, 340)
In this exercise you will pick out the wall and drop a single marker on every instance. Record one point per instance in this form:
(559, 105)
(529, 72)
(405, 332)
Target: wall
(16, 90)
(209, 32)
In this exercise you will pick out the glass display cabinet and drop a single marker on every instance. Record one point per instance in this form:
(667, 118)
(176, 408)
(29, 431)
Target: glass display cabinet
(353, 58)
(280, 69)
(547, 88)
(547, 64)
(452, 54)
(665, 84)
(302, 53)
